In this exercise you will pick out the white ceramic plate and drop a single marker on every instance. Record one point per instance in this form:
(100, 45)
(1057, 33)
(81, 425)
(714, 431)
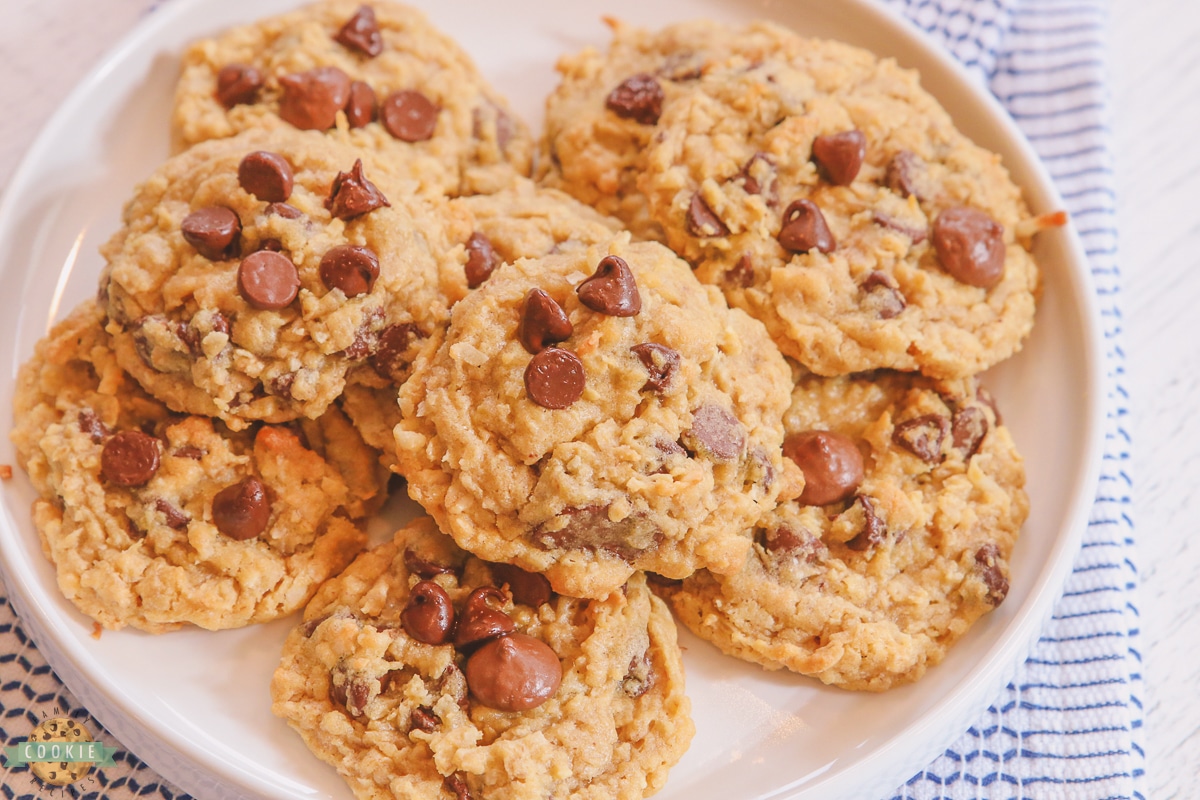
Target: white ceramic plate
(195, 704)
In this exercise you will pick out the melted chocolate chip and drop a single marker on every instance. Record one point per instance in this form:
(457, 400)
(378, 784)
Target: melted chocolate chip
(237, 84)
(922, 436)
(554, 378)
(611, 289)
(742, 273)
(425, 568)
(281, 385)
(527, 588)
(409, 116)
(639, 98)
(213, 231)
(840, 155)
(968, 426)
(542, 322)
(802, 544)
(917, 235)
(902, 172)
(242, 511)
(660, 361)
(352, 195)
(482, 259)
(883, 295)
(391, 358)
(874, 532)
(514, 673)
(311, 99)
(267, 176)
(189, 452)
(351, 268)
(831, 463)
(589, 528)
(804, 229)
(361, 33)
(174, 518)
(90, 424)
(640, 677)
(758, 175)
(992, 569)
(361, 105)
(353, 692)
(429, 616)
(970, 246)
(480, 621)
(457, 785)
(268, 280)
(130, 458)
(423, 719)
(284, 210)
(702, 221)
(716, 433)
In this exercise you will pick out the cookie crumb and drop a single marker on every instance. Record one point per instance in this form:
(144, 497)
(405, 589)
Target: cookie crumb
(5, 472)
(97, 629)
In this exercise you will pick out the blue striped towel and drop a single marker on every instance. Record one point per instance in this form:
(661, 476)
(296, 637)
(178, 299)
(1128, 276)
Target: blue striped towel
(1069, 726)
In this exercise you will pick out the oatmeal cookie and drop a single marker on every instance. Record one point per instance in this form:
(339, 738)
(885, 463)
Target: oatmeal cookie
(253, 273)
(597, 411)
(155, 520)
(376, 76)
(900, 541)
(422, 672)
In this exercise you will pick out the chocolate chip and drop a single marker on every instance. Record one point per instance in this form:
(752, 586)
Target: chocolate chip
(482, 259)
(284, 210)
(639, 677)
(189, 452)
(804, 228)
(480, 621)
(784, 541)
(639, 98)
(840, 155)
(423, 719)
(90, 424)
(716, 433)
(429, 616)
(130, 458)
(554, 378)
(968, 426)
(311, 99)
(589, 528)
(267, 176)
(361, 33)
(883, 295)
(281, 385)
(611, 289)
(213, 231)
(352, 195)
(660, 361)
(237, 84)
(992, 569)
(873, 533)
(392, 356)
(702, 221)
(353, 692)
(970, 246)
(831, 463)
(922, 436)
(361, 105)
(242, 511)
(902, 172)
(426, 568)
(758, 175)
(409, 116)
(351, 268)
(514, 673)
(917, 235)
(742, 273)
(174, 518)
(268, 280)
(542, 321)
(457, 785)
(527, 588)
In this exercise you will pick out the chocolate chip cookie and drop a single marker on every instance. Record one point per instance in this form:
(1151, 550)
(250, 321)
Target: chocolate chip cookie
(156, 520)
(594, 412)
(422, 672)
(900, 541)
(374, 75)
(253, 273)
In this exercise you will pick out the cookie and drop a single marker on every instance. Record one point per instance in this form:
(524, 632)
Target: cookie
(912, 503)
(831, 197)
(422, 672)
(156, 520)
(252, 274)
(594, 412)
(376, 76)
(604, 113)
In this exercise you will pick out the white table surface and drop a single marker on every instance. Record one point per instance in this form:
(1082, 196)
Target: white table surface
(46, 46)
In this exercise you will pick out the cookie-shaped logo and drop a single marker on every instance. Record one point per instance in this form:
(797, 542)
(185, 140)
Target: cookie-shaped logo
(59, 751)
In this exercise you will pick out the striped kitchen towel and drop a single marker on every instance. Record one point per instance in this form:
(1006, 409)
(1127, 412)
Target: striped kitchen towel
(1069, 726)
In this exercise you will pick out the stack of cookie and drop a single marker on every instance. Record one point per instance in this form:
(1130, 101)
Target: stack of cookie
(722, 353)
